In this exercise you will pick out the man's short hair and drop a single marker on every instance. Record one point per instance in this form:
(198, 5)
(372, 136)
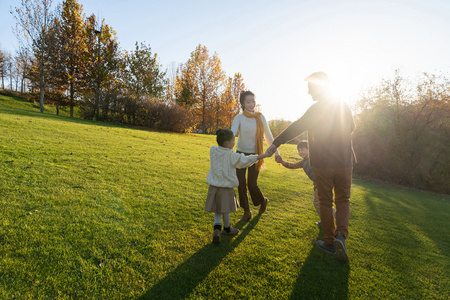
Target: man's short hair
(318, 78)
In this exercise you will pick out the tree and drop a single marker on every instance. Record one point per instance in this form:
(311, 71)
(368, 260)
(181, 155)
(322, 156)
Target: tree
(67, 55)
(171, 75)
(34, 18)
(200, 82)
(143, 76)
(5, 66)
(24, 63)
(402, 133)
(16, 72)
(109, 70)
(277, 126)
(102, 69)
(2, 67)
(234, 86)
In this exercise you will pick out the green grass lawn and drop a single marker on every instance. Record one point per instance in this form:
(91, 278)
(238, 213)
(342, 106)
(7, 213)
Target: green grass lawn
(93, 210)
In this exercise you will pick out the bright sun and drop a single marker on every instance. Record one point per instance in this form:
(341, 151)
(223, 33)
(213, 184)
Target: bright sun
(352, 64)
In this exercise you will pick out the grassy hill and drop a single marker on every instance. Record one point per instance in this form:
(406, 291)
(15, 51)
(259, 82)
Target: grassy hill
(92, 210)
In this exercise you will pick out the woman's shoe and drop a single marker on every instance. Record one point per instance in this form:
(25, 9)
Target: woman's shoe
(246, 217)
(263, 206)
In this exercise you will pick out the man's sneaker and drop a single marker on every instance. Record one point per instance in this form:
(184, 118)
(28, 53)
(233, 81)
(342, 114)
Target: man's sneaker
(339, 244)
(326, 247)
(230, 230)
(216, 236)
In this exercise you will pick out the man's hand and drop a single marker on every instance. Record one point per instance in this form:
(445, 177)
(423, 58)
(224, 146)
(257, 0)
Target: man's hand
(272, 149)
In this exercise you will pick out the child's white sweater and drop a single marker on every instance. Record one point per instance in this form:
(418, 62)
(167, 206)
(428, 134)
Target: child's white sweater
(224, 162)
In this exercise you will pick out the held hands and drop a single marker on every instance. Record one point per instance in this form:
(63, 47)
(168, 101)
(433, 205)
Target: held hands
(271, 150)
(267, 154)
(264, 155)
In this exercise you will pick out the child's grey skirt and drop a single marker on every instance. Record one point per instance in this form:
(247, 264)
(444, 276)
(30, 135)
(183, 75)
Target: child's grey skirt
(221, 200)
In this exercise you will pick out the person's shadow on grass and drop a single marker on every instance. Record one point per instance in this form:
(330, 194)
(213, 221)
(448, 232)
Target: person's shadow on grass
(180, 283)
(321, 276)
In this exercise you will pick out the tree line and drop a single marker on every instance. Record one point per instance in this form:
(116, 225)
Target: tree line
(402, 131)
(69, 60)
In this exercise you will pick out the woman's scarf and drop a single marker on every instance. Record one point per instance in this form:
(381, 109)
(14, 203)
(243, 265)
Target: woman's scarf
(259, 137)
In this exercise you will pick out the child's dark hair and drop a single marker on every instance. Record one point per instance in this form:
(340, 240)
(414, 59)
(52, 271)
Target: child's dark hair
(302, 144)
(223, 135)
(242, 97)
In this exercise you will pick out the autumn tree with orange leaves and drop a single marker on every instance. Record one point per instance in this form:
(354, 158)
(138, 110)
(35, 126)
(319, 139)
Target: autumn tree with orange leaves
(199, 84)
(202, 85)
(68, 58)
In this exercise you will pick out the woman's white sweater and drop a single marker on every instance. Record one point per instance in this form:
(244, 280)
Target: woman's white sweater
(245, 129)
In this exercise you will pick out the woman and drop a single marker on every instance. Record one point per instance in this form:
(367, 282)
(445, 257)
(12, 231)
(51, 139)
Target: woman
(250, 127)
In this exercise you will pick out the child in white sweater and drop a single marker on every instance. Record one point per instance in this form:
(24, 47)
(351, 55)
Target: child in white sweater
(222, 180)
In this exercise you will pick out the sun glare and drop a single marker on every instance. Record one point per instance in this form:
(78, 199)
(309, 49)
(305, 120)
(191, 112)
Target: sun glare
(343, 86)
(348, 78)
(352, 61)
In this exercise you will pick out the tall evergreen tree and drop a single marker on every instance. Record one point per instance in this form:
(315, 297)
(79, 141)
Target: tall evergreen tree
(143, 76)
(102, 69)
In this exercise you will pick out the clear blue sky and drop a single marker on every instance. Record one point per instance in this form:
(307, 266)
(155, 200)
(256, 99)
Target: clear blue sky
(276, 44)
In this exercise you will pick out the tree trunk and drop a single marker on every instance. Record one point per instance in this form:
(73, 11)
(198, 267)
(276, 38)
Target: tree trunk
(22, 86)
(105, 109)
(41, 87)
(97, 99)
(217, 117)
(203, 116)
(10, 77)
(71, 99)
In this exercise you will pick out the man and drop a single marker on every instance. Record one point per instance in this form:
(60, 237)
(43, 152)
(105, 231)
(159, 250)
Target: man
(329, 124)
